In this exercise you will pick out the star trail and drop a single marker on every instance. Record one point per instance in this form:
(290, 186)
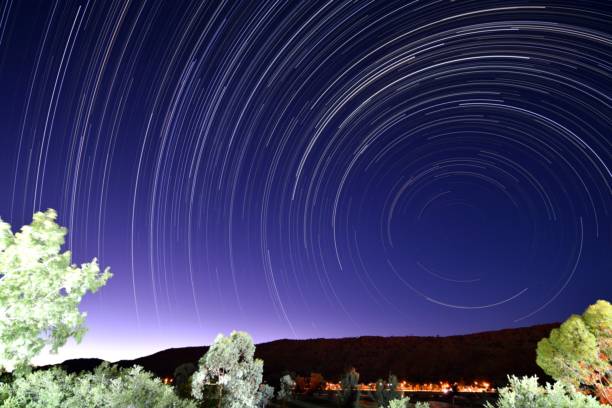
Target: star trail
(317, 168)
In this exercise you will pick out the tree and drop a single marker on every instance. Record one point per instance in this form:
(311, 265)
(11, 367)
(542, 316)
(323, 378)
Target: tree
(300, 384)
(579, 351)
(182, 379)
(40, 291)
(386, 392)
(230, 367)
(285, 392)
(316, 382)
(525, 392)
(349, 384)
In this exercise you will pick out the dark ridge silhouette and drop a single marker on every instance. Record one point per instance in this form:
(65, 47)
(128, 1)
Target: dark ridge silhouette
(487, 355)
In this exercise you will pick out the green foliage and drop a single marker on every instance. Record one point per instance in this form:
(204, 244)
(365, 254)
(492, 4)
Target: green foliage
(598, 319)
(405, 403)
(579, 351)
(40, 290)
(525, 392)
(106, 387)
(230, 367)
(399, 402)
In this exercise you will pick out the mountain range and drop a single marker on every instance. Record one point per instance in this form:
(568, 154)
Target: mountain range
(487, 356)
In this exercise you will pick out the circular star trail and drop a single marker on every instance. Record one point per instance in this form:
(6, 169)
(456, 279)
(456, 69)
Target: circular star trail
(317, 169)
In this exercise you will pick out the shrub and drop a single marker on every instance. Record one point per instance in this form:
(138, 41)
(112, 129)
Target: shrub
(266, 393)
(399, 402)
(107, 386)
(525, 392)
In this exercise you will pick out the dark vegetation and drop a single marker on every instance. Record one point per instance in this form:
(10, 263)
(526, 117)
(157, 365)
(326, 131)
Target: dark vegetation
(488, 355)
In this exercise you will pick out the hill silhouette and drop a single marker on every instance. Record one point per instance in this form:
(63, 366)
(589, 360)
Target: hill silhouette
(487, 355)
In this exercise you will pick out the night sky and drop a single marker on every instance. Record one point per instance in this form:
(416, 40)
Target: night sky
(317, 168)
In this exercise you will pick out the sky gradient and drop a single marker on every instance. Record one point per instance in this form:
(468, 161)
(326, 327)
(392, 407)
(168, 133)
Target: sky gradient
(314, 169)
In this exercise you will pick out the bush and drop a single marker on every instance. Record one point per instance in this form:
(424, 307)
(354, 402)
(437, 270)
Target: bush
(525, 392)
(266, 393)
(399, 403)
(405, 403)
(106, 387)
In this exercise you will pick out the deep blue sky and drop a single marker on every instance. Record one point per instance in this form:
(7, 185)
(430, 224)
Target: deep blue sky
(314, 169)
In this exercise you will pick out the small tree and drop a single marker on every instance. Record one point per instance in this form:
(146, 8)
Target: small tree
(182, 379)
(579, 351)
(40, 291)
(386, 392)
(525, 392)
(300, 384)
(316, 382)
(349, 395)
(230, 367)
(285, 392)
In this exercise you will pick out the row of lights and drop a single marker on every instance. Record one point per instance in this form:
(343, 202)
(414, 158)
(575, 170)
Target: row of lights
(442, 386)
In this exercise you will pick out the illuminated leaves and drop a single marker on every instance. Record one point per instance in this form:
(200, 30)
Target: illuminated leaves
(229, 366)
(578, 352)
(40, 291)
(525, 392)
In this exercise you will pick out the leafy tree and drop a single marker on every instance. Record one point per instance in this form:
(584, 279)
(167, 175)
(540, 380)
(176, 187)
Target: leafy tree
(525, 392)
(230, 367)
(579, 351)
(182, 379)
(287, 385)
(40, 291)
